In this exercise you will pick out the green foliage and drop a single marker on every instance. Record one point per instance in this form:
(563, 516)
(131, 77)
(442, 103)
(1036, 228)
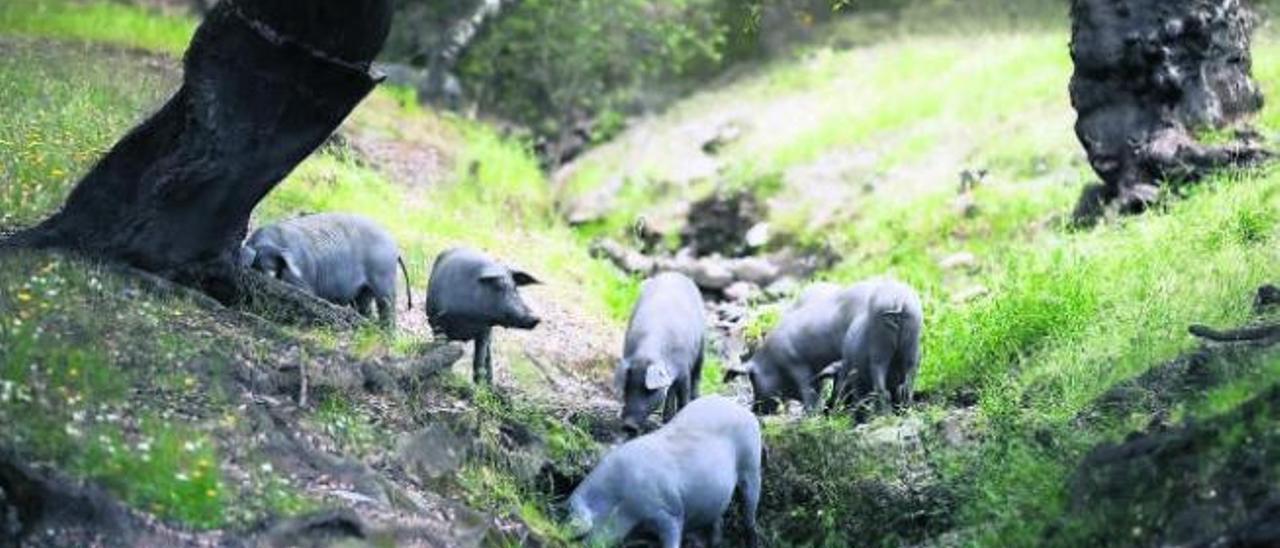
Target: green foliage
(504, 475)
(830, 485)
(549, 63)
(97, 21)
(171, 471)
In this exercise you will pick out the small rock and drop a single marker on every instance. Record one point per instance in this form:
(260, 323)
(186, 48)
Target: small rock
(741, 291)
(961, 260)
(958, 427)
(432, 453)
(629, 260)
(758, 236)
(756, 270)
(905, 432)
(782, 287)
(712, 274)
(726, 134)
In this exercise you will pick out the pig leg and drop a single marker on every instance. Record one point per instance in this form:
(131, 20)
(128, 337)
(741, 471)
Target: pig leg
(686, 392)
(749, 487)
(716, 535)
(482, 362)
(670, 404)
(839, 391)
(696, 375)
(386, 312)
(364, 303)
(670, 530)
(384, 293)
(875, 340)
(909, 364)
(809, 395)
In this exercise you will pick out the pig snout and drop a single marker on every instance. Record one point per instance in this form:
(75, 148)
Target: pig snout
(630, 426)
(528, 322)
(519, 316)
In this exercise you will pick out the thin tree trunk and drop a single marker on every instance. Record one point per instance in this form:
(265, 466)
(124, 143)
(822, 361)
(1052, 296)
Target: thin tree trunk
(448, 51)
(265, 83)
(1151, 74)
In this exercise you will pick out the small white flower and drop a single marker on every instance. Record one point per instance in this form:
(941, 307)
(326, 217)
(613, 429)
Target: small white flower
(190, 446)
(266, 467)
(180, 476)
(144, 446)
(73, 431)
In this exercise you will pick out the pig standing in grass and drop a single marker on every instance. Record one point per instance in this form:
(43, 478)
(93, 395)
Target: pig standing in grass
(468, 294)
(662, 356)
(679, 479)
(881, 348)
(345, 259)
(808, 338)
(826, 326)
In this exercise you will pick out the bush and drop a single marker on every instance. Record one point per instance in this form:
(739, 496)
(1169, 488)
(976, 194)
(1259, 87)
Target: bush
(549, 64)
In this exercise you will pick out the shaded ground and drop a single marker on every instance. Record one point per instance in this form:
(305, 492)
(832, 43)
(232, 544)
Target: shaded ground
(235, 396)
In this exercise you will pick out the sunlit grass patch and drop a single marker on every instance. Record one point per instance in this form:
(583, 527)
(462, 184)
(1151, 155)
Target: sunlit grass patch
(495, 199)
(97, 21)
(169, 470)
(66, 107)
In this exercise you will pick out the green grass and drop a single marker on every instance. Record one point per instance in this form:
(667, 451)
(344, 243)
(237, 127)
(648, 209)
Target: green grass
(909, 100)
(495, 200)
(69, 105)
(66, 393)
(97, 21)
(1067, 314)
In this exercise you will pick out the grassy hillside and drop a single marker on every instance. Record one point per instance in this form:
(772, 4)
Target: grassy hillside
(1054, 343)
(859, 142)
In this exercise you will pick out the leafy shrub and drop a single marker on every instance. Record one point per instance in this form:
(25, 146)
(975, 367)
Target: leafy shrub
(552, 63)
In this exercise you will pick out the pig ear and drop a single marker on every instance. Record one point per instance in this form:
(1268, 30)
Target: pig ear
(290, 266)
(523, 278)
(657, 377)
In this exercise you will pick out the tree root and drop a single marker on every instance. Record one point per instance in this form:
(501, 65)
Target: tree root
(35, 502)
(280, 302)
(1267, 334)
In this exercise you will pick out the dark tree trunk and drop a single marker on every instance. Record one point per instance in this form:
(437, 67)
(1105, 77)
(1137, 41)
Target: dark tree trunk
(265, 82)
(202, 7)
(1149, 75)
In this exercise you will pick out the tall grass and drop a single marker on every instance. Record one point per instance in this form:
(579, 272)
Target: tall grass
(97, 21)
(65, 107)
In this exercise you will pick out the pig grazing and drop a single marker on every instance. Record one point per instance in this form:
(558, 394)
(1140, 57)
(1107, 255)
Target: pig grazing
(808, 338)
(345, 259)
(662, 356)
(468, 294)
(679, 479)
(881, 348)
(810, 342)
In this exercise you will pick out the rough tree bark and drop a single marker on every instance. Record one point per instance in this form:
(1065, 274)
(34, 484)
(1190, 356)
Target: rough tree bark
(1151, 74)
(202, 7)
(265, 82)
